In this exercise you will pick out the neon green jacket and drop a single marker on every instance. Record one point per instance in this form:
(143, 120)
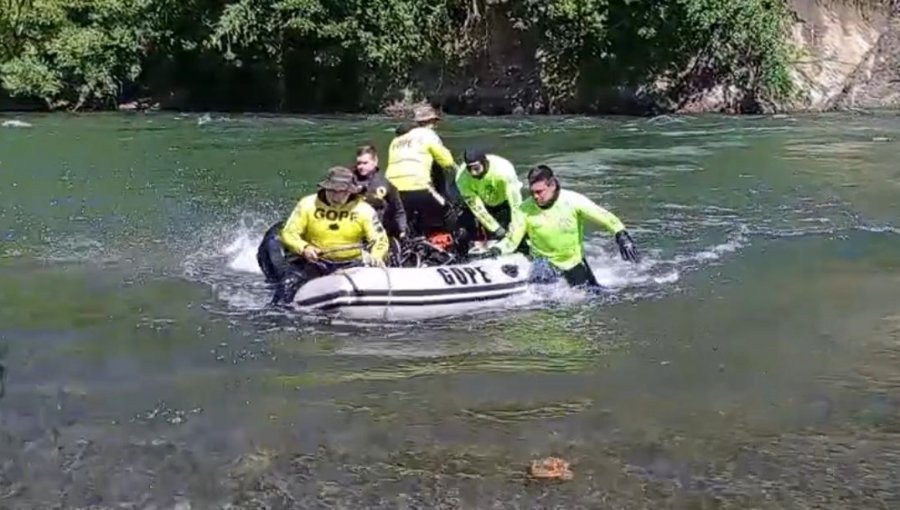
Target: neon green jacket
(498, 185)
(557, 232)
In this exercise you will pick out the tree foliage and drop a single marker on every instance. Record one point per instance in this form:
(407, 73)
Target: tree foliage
(75, 51)
(353, 54)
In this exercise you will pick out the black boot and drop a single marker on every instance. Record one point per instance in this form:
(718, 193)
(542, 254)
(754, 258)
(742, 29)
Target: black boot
(287, 288)
(270, 254)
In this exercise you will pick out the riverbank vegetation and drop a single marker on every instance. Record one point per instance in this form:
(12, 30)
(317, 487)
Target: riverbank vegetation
(361, 55)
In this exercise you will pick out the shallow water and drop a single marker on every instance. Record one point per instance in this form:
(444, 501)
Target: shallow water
(750, 361)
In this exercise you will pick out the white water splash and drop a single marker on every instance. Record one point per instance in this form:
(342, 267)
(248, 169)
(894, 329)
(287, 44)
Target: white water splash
(880, 229)
(655, 271)
(225, 259)
(241, 252)
(614, 273)
(16, 124)
(667, 119)
(75, 248)
(204, 119)
(227, 262)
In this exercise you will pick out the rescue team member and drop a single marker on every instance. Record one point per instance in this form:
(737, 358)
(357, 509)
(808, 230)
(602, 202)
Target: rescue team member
(441, 180)
(490, 187)
(410, 157)
(380, 193)
(319, 234)
(554, 223)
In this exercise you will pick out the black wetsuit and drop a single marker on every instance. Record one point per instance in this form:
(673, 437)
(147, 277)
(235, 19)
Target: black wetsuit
(580, 275)
(384, 198)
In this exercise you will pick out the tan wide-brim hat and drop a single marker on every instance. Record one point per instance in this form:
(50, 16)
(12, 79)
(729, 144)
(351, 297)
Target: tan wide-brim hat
(340, 178)
(425, 113)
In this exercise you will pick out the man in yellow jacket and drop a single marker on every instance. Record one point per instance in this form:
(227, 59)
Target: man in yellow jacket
(325, 232)
(409, 168)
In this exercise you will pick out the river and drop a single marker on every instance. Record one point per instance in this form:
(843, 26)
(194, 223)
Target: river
(752, 359)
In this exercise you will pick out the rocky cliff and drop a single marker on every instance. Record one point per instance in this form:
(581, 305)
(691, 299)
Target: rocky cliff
(846, 55)
(850, 54)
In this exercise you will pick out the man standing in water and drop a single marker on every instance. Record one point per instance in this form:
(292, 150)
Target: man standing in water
(410, 157)
(324, 233)
(492, 190)
(554, 223)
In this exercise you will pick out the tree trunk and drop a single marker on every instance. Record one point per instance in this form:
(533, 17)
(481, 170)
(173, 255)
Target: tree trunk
(282, 78)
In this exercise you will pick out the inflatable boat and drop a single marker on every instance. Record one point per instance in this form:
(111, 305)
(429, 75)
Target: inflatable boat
(409, 293)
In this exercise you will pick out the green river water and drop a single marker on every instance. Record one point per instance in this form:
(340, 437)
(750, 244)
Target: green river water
(752, 360)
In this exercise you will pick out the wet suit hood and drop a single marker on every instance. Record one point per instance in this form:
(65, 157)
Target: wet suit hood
(476, 155)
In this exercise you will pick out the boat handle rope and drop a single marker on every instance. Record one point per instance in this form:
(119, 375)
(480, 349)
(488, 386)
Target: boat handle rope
(390, 286)
(387, 274)
(335, 249)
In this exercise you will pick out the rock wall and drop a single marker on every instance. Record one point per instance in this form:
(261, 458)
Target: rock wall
(848, 54)
(501, 75)
(876, 82)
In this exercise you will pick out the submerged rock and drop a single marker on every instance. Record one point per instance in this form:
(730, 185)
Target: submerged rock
(550, 468)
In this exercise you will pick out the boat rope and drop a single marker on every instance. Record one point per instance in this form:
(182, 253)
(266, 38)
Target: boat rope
(364, 248)
(390, 289)
(346, 247)
(390, 286)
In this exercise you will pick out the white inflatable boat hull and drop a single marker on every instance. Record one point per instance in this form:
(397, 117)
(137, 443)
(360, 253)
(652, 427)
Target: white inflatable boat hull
(401, 293)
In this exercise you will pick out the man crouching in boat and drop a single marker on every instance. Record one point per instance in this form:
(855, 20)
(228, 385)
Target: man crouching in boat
(554, 223)
(493, 192)
(325, 232)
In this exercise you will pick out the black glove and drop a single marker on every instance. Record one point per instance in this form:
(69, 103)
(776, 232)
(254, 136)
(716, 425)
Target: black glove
(626, 246)
(490, 253)
(498, 234)
(451, 215)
